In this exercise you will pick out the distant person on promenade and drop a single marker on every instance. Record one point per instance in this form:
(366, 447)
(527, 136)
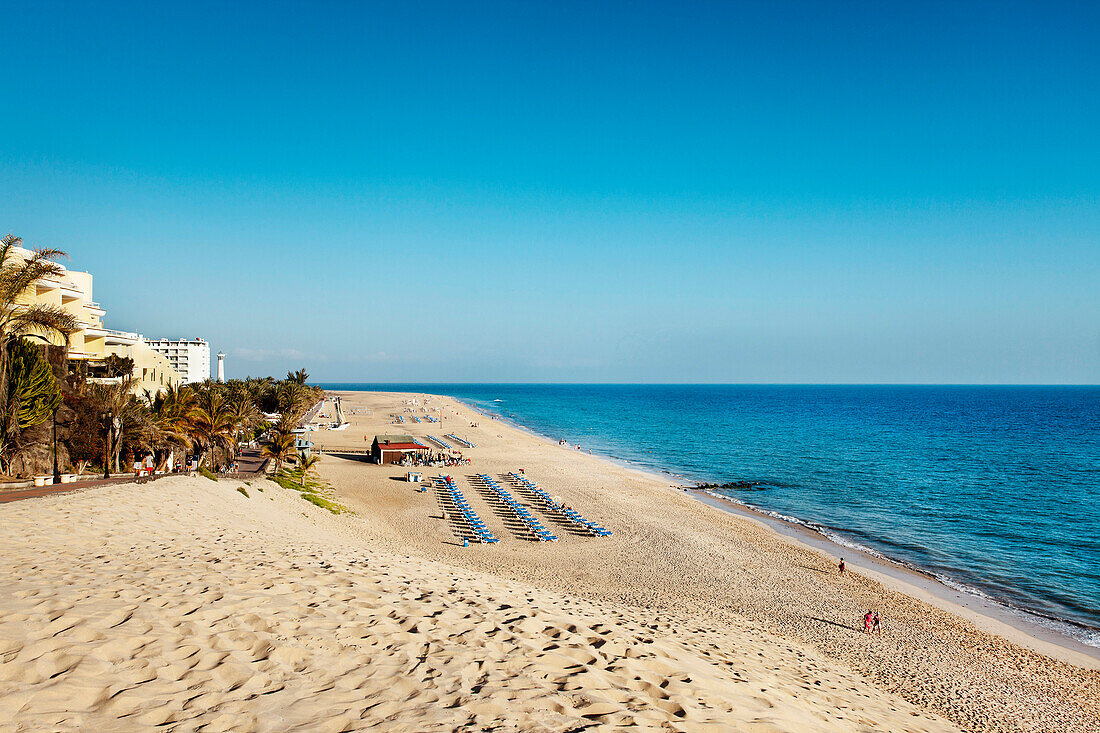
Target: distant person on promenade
(137, 471)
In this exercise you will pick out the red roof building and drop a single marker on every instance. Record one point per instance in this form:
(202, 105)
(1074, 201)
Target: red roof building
(392, 448)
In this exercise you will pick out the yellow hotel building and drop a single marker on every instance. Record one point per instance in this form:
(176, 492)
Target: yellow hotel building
(92, 342)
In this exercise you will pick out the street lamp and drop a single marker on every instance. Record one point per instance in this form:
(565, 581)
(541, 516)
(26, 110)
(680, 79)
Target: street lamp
(107, 417)
(56, 468)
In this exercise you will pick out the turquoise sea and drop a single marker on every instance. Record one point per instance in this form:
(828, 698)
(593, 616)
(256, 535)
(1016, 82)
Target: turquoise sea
(993, 490)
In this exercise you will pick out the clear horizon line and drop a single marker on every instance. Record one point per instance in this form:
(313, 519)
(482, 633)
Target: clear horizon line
(738, 384)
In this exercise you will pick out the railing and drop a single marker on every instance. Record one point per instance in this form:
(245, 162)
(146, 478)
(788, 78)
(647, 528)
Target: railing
(121, 334)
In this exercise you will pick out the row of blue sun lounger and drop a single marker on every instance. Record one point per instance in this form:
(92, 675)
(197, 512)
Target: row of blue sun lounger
(549, 505)
(441, 443)
(541, 533)
(399, 419)
(460, 441)
(429, 418)
(469, 517)
(415, 418)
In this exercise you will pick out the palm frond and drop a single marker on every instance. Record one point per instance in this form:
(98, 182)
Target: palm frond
(43, 320)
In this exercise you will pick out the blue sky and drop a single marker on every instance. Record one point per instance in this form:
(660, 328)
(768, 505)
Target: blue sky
(634, 192)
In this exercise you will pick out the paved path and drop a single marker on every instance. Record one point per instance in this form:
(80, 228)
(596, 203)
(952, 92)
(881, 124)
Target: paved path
(250, 461)
(51, 489)
(308, 417)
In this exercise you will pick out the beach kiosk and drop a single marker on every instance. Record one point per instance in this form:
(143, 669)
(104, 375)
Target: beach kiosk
(392, 448)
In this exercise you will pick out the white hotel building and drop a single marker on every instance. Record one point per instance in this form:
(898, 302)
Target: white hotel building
(189, 357)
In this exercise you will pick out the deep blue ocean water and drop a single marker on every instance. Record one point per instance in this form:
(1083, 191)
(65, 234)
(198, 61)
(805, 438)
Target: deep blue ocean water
(992, 489)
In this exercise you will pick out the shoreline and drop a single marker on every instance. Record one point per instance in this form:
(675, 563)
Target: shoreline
(713, 578)
(1033, 631)
(985, 613)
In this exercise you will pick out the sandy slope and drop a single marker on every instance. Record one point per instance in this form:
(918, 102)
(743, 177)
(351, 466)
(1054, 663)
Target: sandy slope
(183, 605)
(680, 561)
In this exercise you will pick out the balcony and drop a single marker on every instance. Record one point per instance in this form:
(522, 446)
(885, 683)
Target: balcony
(70, 293)
(123, 338)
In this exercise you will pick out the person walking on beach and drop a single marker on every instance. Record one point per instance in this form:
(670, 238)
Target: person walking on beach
(842, 566)
(868, 620)
(876, 624)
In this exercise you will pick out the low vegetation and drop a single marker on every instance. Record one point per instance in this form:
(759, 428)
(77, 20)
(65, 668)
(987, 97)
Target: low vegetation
(325, 503)
(311, 488)
(242, 490)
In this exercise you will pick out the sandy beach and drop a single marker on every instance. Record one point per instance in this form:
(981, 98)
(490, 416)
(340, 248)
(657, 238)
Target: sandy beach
(186, 604)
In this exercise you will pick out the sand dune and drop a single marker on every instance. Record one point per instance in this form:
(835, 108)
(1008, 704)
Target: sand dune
(183, 605)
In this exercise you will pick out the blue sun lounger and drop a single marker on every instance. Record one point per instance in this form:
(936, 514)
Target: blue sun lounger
(548, 504)
(538, 531)
(467, 515)
(461, 441)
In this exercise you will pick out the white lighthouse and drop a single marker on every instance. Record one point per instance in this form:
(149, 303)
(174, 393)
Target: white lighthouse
(221, 367)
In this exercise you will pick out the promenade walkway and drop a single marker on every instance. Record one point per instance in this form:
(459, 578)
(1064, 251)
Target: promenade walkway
(50, 490)
(251, 462)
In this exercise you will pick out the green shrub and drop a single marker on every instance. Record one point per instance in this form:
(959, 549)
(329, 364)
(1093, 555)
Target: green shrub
(208, 474)
(324, 503)
(314, 490)
(241, 489)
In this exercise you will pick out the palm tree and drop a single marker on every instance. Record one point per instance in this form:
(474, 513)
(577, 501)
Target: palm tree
(278, 448)
(21, 316)
(293, 399)
(211, 424)
(243, 414)
(298, 377)
(172, 412)
(306, 462)
(262, 392)
(286, 424)
(126, 412)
